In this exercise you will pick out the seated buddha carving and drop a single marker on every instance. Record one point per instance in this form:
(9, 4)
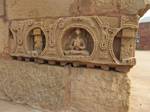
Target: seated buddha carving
(77, 45)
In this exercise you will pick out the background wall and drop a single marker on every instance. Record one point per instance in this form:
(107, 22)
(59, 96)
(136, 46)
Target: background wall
(145, 36)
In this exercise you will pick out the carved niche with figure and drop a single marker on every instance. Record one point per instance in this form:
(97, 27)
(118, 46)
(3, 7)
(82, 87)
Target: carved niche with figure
(95, 33)
(36, 41)
(77, 43)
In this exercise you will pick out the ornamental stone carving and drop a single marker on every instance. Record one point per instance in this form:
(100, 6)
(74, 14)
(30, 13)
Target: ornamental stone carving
(91, 33)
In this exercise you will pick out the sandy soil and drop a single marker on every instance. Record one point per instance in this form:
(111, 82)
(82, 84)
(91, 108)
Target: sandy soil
(140, 88)
(140, 83)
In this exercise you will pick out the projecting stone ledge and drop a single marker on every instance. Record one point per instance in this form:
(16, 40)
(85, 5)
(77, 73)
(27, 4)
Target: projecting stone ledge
(64, 89)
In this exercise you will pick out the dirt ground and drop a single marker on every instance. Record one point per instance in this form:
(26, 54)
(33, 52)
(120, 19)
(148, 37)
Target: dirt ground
(140, 88)
(140, 83)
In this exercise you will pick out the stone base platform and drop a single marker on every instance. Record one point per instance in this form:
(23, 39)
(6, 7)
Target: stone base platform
(64, 89)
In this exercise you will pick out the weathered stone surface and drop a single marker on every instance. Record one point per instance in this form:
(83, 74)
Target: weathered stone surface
(99, 91)
(111, 25)
(111, 7)
(18, 9)
(35, 85)
(64, 89)
(2, 8)
(21, 9)
(79, 32)
(3, 36)
(107, 24)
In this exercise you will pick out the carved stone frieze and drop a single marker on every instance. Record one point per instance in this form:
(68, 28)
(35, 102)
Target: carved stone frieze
(88, 39)
(16, 33)
(90, 33)
(129, 20)
(32, 34)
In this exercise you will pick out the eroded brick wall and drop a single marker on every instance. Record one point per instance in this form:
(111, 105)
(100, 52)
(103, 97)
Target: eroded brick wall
(145, 36)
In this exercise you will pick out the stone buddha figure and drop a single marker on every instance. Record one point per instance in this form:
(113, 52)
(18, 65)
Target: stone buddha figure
(37, 43)
(77, 45)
